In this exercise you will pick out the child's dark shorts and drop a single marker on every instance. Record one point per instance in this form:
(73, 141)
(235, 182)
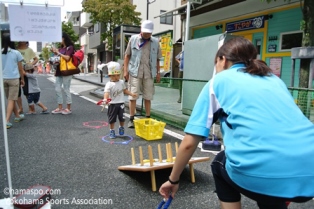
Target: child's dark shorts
(115, 110)
(33, 98)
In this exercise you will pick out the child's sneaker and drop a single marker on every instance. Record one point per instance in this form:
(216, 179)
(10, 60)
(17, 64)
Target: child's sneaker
(121, 130)
(112, 134)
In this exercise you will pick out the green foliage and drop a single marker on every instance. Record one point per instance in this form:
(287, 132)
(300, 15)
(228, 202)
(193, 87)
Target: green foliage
(45, 54)
(111, 13)
(67, 27)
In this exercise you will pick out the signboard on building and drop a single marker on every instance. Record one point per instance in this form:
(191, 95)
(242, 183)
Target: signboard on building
(275, 64)
(166, 49)
(246, 24)
(35, 23)
(272, 48)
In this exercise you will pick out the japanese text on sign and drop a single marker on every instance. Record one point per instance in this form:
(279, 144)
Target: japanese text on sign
(35, 23)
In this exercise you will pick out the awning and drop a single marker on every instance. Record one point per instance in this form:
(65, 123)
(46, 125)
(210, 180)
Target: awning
(173, 10)
(195, 7)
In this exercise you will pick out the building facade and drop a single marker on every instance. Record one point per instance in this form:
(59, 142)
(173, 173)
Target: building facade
(273, 28)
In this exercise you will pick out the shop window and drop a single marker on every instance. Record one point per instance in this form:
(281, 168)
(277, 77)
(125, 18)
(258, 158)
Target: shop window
(167, 18)
(290, 40)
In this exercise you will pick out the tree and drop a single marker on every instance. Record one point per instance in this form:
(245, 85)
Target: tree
(111, 13)
(67, 27)
(45, 54)
(306, 25)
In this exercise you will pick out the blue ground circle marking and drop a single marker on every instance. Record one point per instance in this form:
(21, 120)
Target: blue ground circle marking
(111, 141)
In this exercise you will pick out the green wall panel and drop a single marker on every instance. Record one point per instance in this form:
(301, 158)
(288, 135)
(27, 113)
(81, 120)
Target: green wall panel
(208, 31)
(284, 21)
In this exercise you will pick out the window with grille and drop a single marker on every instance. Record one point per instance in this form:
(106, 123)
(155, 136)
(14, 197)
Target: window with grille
(167, 18)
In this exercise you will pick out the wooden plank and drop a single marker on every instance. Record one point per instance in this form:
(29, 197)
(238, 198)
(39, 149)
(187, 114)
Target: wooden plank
(157, 165)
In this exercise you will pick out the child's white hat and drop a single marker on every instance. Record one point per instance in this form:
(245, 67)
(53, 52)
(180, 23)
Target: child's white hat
(114, 68)
(28, 66)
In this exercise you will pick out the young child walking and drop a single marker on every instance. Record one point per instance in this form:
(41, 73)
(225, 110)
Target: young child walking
(114, 96)
(33, 90)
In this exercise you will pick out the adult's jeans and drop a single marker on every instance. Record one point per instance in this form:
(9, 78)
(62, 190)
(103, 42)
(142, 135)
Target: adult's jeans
(64, 81)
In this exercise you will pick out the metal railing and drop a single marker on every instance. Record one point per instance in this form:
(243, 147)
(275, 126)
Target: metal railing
(304, 98)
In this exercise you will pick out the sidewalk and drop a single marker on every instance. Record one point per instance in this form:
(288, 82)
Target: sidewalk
(164, 106)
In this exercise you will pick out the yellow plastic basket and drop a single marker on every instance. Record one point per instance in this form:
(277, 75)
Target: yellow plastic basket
(149, 129)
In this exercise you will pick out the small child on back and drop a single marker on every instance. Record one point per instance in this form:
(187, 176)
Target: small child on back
(33, 90)
(115, 90)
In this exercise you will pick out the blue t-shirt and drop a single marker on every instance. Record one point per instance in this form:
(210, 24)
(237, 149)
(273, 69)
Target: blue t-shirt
(10, 61)
(269, 143)
(180, 57)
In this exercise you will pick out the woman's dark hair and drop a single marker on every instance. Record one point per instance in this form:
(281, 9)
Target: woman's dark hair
(7, 43)
(67, 40)
(241, 50)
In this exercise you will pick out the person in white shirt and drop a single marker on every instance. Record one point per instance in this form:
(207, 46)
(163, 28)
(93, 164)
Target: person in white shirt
(114, 96)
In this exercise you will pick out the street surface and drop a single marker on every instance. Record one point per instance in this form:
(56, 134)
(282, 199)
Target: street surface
(59, 151)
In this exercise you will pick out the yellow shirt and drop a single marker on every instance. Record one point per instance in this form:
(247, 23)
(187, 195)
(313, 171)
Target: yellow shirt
(28, 54)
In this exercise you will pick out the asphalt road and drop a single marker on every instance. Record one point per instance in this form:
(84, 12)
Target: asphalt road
(59, 151)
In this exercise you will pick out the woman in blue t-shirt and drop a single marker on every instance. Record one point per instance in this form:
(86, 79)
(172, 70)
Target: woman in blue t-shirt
(269, 143)
(12, 70)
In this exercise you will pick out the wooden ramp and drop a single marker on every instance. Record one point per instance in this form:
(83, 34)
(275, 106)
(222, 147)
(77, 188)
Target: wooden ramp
(151, 164)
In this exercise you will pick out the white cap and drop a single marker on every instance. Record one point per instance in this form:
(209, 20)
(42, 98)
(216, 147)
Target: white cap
(114, 68)
(147, 26)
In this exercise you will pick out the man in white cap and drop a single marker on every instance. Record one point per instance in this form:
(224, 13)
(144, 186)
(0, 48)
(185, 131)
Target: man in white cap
(141, 65)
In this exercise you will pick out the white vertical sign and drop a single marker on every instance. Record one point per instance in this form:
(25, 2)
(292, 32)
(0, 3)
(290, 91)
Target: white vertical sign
(35, 23)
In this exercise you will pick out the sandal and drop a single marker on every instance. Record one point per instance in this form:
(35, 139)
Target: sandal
(57, 111)
(22, 117)
(9, 125)
(66, 112)
(45, 111)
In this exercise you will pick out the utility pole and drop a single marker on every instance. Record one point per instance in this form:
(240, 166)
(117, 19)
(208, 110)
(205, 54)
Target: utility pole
(147, 8)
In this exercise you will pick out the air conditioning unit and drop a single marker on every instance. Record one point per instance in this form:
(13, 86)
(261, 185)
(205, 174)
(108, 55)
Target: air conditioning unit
(195, 1)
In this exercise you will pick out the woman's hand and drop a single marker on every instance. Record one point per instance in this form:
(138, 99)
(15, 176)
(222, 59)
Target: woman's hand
(168, 189)
(158, 78)
(22, 83)
(126, 75)
(54, 50)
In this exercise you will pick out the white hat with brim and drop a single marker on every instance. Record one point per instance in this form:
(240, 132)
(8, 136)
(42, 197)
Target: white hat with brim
(147, 26)
(114, 68)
